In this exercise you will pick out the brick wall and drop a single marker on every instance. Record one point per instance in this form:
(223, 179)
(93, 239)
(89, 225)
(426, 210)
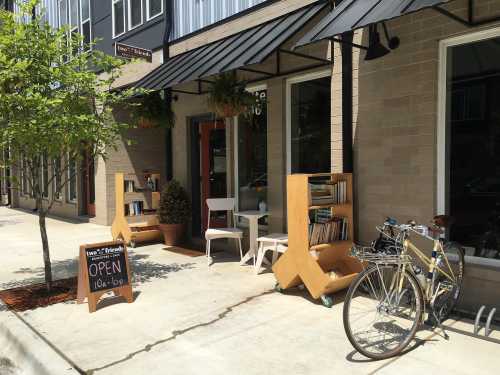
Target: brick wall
(395, 138)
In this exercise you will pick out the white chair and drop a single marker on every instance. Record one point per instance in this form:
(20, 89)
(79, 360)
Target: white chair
(222, 204)
(275, 242)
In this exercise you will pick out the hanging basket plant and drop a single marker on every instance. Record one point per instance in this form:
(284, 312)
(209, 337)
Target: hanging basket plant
(227, 96)
(152, 111)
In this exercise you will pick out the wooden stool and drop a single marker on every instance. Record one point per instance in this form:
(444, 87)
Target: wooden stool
(275, 242)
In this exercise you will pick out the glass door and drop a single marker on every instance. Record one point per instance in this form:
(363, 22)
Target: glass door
(213, 169)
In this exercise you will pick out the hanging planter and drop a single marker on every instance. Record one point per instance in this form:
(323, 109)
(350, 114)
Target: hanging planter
(152, 111)
(227, 96)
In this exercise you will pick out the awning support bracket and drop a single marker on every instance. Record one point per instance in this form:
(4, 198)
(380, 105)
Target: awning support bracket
(470, 21)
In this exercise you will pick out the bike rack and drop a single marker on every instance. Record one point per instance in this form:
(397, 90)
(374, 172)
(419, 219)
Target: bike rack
(489, 319)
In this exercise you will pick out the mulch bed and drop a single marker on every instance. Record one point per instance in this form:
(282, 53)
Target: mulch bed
(30, 297)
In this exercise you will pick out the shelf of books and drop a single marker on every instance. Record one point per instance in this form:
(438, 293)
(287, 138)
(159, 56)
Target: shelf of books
(136, 198)
(320, 234)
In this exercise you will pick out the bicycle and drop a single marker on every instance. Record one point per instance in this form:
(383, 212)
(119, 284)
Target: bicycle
(387, 302)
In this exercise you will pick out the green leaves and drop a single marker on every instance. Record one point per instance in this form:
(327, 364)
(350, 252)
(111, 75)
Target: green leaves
(52, 101)
(174, 204)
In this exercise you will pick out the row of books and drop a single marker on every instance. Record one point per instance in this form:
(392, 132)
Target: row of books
(333, 230)
(151, 184)
(129, 186)
(134, 208)
(328, 193)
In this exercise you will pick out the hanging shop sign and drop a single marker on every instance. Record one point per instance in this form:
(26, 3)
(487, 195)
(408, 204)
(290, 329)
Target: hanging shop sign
(131, 52)
(103, 267)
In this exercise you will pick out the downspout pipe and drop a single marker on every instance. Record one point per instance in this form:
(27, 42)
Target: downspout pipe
(169, 25)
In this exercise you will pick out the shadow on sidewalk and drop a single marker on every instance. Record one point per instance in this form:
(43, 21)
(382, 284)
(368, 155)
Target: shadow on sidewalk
(143, 271)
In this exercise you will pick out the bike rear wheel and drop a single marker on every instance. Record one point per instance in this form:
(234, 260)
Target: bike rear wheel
(446, 302)
(381, 319)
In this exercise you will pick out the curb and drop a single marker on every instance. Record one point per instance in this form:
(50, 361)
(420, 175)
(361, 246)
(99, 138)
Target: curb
(23, 351)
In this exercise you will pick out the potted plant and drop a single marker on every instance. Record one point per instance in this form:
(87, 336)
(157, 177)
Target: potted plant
(228, 97)
(174, 212)
(152, 111)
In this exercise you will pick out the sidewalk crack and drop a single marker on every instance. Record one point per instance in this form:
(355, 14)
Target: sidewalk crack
(178, 333)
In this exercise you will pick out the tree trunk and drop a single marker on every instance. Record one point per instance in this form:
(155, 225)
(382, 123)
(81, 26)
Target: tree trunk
(45, 245)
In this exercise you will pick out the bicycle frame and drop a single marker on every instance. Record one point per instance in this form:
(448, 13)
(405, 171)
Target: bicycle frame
(430, 263)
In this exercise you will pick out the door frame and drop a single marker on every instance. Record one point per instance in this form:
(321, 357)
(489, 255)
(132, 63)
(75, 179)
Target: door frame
(442, 159)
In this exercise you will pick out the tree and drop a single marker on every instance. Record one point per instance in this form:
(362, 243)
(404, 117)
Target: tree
(54, 108)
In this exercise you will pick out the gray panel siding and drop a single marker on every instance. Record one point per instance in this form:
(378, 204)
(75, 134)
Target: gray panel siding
(192, 15)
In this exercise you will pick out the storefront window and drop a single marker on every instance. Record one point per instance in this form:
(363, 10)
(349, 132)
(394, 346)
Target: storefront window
(252, 156)
(310, 131)
(473, 137)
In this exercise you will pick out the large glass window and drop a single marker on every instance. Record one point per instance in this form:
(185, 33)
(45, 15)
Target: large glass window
(76, 13)
(118, 17)
(63, 12)
(155, 8)
(134, 13)
(85, 22)
(473, 142)
(252, 156)
(310, 130)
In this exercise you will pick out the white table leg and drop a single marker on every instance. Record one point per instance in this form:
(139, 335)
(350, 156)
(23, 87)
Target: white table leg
(253, 231)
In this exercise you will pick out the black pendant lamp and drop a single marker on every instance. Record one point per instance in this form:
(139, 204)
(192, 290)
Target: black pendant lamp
(375, 48)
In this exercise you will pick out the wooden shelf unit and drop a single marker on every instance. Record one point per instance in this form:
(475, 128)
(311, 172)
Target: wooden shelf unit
(136, 228)
(311, 265)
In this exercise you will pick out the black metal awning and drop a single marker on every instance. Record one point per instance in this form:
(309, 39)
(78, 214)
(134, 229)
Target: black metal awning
(248, 47)
(350, 15)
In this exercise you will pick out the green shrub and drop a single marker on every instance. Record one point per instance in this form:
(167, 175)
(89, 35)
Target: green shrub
(175, 207)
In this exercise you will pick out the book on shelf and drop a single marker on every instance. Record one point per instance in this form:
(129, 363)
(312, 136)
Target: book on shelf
(326, 230)
(129, 186)
(328, 193)
(134, 208)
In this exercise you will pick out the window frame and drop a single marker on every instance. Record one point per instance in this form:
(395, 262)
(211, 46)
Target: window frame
(324, 73)
(442, 159)
(113, 18)
(150, 17)
(129, 16)
(82, 22)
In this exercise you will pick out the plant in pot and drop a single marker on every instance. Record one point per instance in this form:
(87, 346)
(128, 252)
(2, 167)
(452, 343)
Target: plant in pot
(174, 212)
(228, 97)
(151, 111)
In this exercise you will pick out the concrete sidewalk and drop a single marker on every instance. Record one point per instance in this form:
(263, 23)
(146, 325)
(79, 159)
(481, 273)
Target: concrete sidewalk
(188, 319)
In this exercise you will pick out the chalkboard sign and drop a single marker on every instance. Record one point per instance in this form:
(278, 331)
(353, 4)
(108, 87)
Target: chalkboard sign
(103, 267)
(106, 267)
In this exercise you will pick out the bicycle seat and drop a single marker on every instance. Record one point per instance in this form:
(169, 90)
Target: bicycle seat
(443, 221)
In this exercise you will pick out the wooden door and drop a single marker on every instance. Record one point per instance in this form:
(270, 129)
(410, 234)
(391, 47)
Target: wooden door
(89, 185)
(213, 169)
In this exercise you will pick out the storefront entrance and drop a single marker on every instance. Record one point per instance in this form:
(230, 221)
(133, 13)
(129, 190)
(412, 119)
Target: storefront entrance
(208, 166)
(213, 169)
(473, 145)
(88, 186)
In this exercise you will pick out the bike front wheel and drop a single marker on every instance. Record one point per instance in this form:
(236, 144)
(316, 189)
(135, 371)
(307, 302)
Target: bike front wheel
(382, 311)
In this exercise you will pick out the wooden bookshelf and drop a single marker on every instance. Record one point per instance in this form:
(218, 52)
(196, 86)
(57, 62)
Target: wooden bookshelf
(311, 265)
(139, 228)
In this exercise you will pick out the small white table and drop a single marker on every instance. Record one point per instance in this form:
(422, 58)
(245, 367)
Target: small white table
(253, 228)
